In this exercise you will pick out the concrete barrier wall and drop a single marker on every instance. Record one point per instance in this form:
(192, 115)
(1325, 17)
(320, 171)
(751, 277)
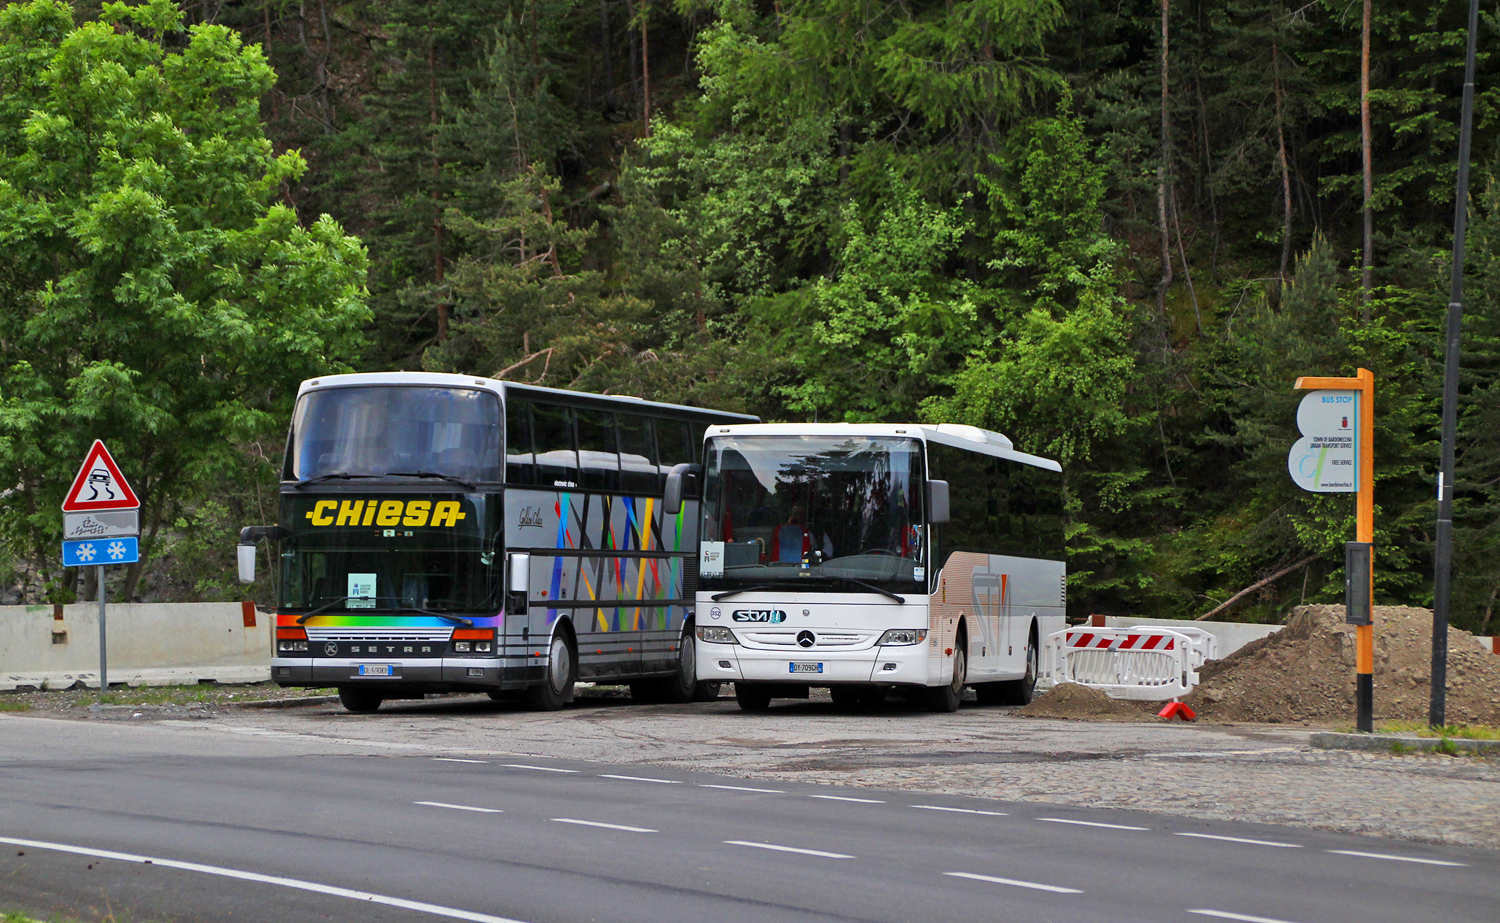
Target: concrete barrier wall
(1232, 635)
(149, 644)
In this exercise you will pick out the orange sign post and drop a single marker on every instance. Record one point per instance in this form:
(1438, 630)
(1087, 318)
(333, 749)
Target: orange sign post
(1362, 428)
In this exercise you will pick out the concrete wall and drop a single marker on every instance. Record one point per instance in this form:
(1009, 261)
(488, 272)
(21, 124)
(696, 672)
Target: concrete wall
(1232, 635)
(149, 644)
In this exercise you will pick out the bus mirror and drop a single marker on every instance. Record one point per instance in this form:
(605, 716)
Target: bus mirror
(937, 502)
(677, 485)
(246, 562)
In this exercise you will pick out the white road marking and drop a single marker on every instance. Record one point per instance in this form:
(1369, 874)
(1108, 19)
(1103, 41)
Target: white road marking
(1036, 886)
(1244, 918)
(938, 807)
(1236, 839)
(742, 788)
(1089, 823)
(459, 807)
(595, 823)
(641, 779)
(454, 759)
(1378, 855)
(537, 768)
(300, 885)
(805, 852)
(842, 798)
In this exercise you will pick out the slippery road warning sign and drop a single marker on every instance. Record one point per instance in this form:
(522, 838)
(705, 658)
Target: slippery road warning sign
(99, 485)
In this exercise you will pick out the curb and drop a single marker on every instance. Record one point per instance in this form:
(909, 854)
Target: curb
(1386, 743)
(290, 703)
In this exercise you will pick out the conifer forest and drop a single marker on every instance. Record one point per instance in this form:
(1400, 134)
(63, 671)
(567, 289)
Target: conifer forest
(1116, 232)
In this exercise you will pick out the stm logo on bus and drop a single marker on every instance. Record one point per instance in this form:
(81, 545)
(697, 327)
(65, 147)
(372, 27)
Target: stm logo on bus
(773, 616)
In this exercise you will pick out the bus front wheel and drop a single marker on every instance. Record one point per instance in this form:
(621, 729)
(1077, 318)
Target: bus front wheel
(947, 697)
(359, 701)
(752, 697)
(557, 686)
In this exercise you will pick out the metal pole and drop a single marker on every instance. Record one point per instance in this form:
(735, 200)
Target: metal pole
(1443, 557)
(103, 648)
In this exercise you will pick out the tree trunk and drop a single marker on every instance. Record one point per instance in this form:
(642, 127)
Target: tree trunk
(606, 61)
(437, 203)
(1368, 266)
(646, 64)
(1163, 170)
(1286, 176)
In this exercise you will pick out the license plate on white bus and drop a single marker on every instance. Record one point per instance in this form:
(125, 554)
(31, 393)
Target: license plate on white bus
(805, 667)
(376, 669)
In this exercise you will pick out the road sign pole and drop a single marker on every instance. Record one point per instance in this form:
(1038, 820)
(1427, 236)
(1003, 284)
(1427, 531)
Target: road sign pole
(1364, 530)
(103, 648)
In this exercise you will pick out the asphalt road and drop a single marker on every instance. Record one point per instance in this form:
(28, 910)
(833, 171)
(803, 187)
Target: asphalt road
(104, 819)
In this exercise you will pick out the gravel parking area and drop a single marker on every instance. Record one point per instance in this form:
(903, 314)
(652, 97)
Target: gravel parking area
(1262, 773)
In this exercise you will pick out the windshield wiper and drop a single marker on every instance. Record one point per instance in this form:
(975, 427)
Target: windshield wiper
(457, 620)
(744, 589)
(874, 589)
(431, 474)
(337, 475)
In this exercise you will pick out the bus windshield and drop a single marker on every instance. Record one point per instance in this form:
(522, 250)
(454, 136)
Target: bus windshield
(800, 507)
(376, 431)
(356, 553)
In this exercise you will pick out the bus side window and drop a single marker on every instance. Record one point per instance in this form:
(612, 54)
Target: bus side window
(598, 450)
(556, 454)
(520, 460)
(638, 474)
(678, 441)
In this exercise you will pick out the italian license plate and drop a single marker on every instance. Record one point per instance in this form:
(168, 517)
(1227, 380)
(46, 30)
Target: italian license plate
(805, 667)
(375, 669)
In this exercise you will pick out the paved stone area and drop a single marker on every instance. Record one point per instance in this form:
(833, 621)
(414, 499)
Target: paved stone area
(1260, 773)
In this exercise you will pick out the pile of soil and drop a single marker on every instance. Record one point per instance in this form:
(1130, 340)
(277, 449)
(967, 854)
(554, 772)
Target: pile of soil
(1071, 700)
(1305, 672)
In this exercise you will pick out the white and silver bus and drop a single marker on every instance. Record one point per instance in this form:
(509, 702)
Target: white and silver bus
(449, 533)
(870, 557)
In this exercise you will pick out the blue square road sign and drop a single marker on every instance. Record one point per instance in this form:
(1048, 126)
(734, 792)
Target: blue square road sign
(125, 550)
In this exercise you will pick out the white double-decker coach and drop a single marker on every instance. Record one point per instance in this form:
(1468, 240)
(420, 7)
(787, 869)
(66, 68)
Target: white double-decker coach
(870, 557)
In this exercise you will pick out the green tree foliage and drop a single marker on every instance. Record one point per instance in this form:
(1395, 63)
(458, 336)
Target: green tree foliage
(155, 296)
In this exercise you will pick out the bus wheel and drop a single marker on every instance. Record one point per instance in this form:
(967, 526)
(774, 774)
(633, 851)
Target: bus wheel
(752, 697)
(947, 697)
(360, 701)
(1022, 691)
(683, 686)
(557, 687)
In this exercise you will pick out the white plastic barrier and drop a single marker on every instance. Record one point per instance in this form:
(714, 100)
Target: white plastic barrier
(1205, 643)
(1148, 664)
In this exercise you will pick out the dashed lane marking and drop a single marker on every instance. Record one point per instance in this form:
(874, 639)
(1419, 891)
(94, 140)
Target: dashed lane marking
(744, 788)
(1090, 823)
(1243, 918)
(843, 798)
(537, 768)
(459, 807)
(317, 888)
(640, 779)
(1381, 855)
(454, 759)
(595, 823)
(938, 807)
(1237, 839)
(795, 849)
(1015, 883)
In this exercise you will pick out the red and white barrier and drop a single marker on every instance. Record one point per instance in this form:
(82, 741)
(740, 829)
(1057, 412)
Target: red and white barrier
(1148, 664)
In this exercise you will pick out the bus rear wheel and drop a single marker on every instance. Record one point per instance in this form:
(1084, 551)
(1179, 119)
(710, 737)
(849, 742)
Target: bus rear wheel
(360, 701)
(1022, 691)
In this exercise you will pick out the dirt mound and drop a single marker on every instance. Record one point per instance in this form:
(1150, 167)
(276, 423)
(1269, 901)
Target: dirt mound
(1305, 672)
(1071, 700)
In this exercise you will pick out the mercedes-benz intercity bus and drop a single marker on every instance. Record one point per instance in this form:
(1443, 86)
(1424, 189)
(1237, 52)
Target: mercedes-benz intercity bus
(446, 533)
(865, 558)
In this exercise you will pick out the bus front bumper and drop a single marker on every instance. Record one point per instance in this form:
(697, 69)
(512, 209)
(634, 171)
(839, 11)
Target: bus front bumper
(429, 673)
(900, 665)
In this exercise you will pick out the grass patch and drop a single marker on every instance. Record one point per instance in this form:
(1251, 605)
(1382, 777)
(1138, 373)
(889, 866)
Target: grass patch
(13, 705)
(1460, 731)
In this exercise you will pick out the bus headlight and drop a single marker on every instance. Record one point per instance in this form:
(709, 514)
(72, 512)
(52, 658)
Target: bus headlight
(714, 634)
(899, 636)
